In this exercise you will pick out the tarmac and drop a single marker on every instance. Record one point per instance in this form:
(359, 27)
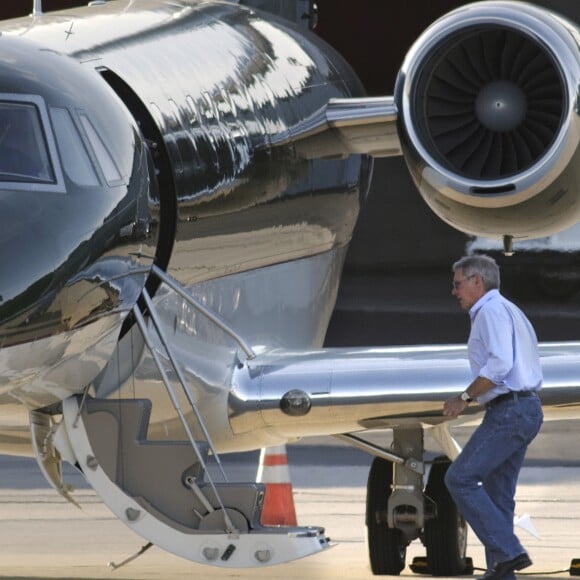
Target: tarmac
(42, 536)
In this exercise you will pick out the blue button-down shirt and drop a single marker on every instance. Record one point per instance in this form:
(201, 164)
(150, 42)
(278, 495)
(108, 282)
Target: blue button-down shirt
(502, 346)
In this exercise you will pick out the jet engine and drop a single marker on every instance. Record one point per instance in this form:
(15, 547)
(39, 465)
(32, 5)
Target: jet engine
(488, 119)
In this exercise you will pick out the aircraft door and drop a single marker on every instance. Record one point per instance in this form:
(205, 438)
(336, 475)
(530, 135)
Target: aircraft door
(162, 197)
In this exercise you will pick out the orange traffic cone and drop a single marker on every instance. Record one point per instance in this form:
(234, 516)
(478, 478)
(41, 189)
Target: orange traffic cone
(273, 471)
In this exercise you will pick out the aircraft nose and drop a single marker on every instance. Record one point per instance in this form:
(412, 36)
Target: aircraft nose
(71, 249)
(59, 271)
(74, 199)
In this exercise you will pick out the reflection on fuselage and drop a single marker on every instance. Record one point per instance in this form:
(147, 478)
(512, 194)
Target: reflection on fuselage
(179, 167)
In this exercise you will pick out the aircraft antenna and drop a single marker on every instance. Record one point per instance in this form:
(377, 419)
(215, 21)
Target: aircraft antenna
(36, 7)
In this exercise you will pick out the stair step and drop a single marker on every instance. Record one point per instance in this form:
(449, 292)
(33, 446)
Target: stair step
(143, 483)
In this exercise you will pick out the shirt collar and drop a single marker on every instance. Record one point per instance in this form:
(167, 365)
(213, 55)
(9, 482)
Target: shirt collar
(489, 295)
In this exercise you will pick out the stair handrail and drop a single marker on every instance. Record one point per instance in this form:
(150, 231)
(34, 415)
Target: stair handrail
(210, 314)
(144, 330)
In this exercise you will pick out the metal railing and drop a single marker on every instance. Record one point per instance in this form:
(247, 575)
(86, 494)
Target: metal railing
(152, 313)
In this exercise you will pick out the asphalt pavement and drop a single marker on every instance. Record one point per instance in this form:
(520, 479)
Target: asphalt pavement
(42, 536)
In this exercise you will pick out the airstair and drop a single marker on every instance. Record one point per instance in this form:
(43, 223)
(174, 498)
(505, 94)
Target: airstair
(162, 489)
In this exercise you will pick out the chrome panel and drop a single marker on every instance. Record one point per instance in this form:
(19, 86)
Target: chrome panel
(357, 389)
(350, 389)
(249, 302)
(46, 371)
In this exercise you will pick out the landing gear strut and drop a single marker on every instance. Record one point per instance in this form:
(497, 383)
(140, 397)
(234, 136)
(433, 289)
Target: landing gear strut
(399, 511)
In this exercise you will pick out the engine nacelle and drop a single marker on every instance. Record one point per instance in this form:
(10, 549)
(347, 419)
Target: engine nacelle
(488, 118)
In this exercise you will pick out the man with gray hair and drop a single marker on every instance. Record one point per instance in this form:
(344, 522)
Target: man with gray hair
(505, 364)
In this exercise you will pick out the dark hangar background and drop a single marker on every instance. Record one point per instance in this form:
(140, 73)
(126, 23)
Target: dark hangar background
(396, 283)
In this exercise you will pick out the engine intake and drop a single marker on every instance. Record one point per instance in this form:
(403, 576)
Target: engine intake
(486, 101)
(492, 103)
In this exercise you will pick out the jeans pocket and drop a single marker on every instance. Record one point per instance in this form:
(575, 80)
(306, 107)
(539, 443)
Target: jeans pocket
(528, 420)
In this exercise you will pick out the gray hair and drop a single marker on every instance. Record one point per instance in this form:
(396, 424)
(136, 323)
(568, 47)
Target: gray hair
(483, 265)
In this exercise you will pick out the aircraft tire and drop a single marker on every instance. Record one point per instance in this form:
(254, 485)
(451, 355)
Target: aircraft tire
(445, 535)
(387, 546)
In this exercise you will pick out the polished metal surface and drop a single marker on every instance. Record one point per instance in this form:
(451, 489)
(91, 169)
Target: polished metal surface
(199, 307)
(349, 126)
(349, 390)
(250, 303)
(247, 213)
(214, 86)
(358, 389)
(209, 197)
(524, 195)
(69, 241)
(67, 245)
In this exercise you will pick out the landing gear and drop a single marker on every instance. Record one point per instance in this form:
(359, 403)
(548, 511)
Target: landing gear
(445, 535)
(395, 502)
(387, 546)
(398, 511)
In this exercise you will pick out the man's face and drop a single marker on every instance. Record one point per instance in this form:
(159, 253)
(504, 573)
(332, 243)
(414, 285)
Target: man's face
(467, 289)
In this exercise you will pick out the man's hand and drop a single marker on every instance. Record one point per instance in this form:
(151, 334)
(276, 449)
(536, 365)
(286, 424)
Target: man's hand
(454, 406)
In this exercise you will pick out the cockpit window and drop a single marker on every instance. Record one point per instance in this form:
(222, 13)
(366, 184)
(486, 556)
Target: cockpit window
(23, 151)
(103, 155)
(76, 162)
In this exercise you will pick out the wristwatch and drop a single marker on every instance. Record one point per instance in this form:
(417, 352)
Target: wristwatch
(465, 397)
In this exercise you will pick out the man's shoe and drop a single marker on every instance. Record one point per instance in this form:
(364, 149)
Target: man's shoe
(502, 569)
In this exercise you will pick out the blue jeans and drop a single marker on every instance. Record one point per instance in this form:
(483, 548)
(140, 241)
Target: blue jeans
(482, 480)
